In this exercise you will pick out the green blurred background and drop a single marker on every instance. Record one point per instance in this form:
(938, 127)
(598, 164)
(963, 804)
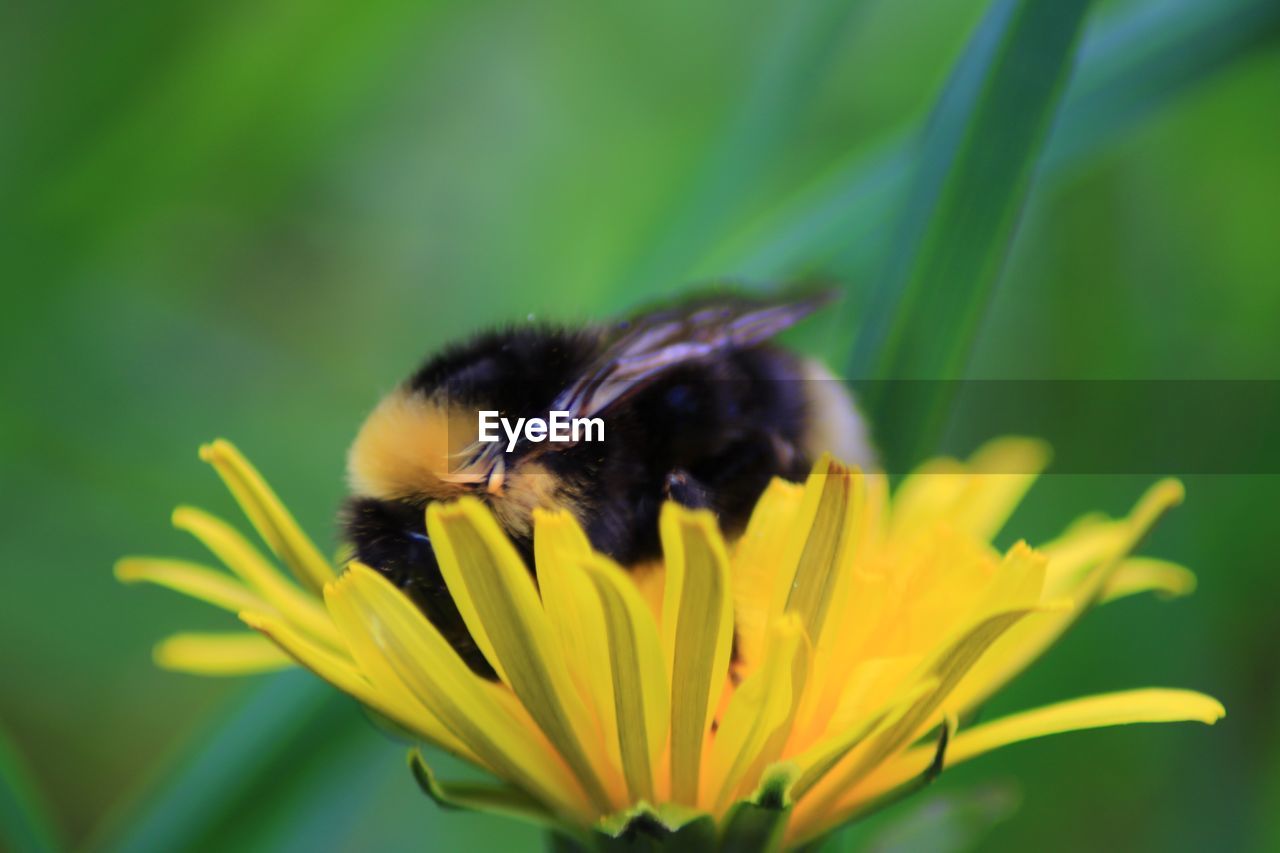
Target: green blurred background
(251, 219)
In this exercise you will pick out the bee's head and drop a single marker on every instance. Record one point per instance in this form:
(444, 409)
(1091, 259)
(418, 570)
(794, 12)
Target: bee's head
(420, 442)
(416, 447)
(420, 445)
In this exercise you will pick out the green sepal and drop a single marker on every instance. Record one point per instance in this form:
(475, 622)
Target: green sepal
(976, 164)
(488, 798)
(668, 827)
(946, 731)
(758, 823)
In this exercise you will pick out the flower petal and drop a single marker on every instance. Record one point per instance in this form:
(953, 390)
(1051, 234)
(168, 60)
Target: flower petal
(234, 653)
(1018, 581)
(469, 707)
(818, 760)
(812, 579)
(274, 523)
(496, 597)
(1087, 543)
(1004, 469)
(925, 495)
(977, 496)
(871, 683)
(391, 696)
(775, 745)
(756, 558)
(1149, 705)
(573, 607)
(334, 669)
(1027, 641)
(758, 710)
(640, 692)
(697, 635)
(823, 538)
(841, 670)
(945, 670)
(1144, 574)
(247, 561)
(190, 579)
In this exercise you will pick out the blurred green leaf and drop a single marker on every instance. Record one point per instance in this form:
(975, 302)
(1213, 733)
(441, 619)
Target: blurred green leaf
(1148, 56)
(1133, 63)
(801, 41)
(484, 797)
(24, 820)
(975, 168)
(273, 80)
(944, 823)
(294, 765)
(245, 758)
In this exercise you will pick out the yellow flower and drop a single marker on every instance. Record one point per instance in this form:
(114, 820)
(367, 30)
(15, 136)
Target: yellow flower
(770, 690)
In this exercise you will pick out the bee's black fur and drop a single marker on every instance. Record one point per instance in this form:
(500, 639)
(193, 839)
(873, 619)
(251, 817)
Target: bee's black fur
(391, 536)
(517, 370)
(722, 426)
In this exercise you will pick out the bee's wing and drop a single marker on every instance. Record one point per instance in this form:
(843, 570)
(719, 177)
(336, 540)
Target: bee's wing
(643, 349)
(637, 352)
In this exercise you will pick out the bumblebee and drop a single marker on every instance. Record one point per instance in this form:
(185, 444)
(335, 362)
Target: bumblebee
(698, 407)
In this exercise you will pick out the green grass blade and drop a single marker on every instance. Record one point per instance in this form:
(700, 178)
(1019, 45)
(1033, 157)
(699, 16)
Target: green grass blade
(975, 169)
(1146, 58)
(251, 750)
(295, 765)
(1132, 65)
(24, 820)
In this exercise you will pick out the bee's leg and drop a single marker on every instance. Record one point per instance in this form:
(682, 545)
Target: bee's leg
(683, 488)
